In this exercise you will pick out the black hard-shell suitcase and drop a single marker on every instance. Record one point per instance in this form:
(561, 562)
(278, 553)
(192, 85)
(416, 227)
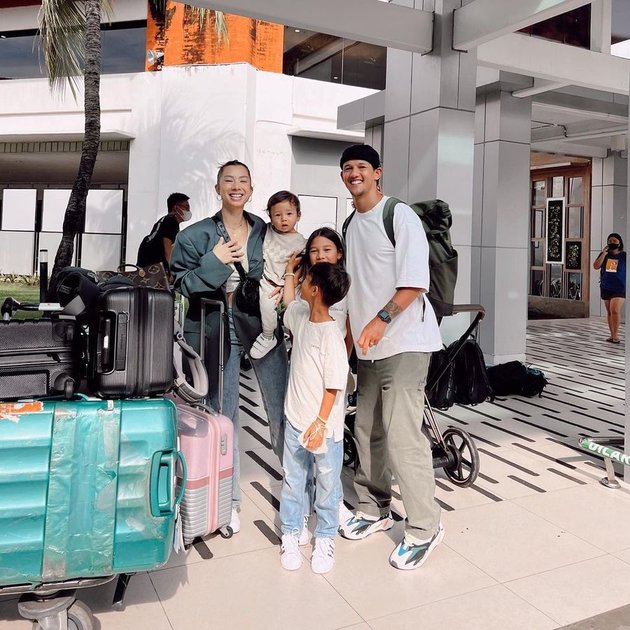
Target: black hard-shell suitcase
(131, 343)
(39, 357)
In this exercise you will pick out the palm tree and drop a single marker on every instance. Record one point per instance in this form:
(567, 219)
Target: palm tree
(70, 38)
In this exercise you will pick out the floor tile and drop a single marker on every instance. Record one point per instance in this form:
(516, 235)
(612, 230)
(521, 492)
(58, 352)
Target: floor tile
(250, 591)
(572, 593)
(494, 608)
(260, 465)
(254, 535)
(623, 555)
(142, 607)
(364, 578)
(593, 513)
(9, 617)
(507, 542)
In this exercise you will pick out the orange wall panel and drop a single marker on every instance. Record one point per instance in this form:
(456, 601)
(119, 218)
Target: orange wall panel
(183, 41)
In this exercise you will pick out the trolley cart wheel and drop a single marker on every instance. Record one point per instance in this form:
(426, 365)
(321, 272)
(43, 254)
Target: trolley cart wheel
(226, 532)
(80, 617)
(461, 447)
(350, 454)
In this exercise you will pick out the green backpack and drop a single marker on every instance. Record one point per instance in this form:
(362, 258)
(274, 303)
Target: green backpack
(436, 219)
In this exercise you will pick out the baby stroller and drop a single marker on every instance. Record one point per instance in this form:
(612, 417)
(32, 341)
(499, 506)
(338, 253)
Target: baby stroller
(453, 450)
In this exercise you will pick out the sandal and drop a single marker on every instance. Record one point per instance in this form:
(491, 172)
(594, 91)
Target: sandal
(610, 339)
(615, 340)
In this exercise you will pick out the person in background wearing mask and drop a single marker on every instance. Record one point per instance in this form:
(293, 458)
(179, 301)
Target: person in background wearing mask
(612, 265)
(158, 245)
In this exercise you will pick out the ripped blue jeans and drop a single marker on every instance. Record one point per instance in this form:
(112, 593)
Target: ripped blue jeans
(296, 464)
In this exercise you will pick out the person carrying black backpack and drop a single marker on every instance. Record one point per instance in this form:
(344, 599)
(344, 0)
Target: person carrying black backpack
(394, 328)
(157, 246)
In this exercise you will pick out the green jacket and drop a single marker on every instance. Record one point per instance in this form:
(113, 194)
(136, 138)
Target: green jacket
(200, 274)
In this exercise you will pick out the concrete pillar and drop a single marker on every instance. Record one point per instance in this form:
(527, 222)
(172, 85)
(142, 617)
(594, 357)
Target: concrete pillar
(428, 139)
(500, 233)
(609, 202)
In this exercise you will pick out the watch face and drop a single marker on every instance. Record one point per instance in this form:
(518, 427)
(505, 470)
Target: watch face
(385, 316)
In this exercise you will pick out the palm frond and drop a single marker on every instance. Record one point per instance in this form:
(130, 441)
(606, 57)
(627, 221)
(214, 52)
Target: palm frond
(157, 7)
(62, 41)
(220, 26)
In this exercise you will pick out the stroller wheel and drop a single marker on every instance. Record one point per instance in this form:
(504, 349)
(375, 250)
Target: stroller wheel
(350, 455)
(461, 447)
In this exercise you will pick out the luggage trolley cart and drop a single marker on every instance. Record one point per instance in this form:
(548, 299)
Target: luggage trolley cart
(453, 450)
(53, 605)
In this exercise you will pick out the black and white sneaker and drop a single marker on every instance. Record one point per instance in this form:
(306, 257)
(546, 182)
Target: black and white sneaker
(361, 525)
(409, 556)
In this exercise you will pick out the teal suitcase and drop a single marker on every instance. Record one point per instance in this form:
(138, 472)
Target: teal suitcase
(87, 488)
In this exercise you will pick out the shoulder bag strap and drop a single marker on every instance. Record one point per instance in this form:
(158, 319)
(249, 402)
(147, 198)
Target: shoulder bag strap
(388, 218)
(226, 237)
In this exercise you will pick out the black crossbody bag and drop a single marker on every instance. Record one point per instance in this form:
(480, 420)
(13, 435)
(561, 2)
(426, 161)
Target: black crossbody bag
(246, 294)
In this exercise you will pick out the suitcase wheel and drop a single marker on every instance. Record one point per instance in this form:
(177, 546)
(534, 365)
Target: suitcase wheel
(226, 532)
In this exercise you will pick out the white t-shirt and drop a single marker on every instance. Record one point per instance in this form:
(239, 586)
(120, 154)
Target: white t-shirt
(338, 311)
(318, 362)
(277, 248)
(377, 269)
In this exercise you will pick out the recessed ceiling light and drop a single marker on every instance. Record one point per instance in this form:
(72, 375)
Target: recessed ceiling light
(297, 30)
(3, 36)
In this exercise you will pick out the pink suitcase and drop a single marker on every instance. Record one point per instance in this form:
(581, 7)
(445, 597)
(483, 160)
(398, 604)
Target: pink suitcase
(206, 440)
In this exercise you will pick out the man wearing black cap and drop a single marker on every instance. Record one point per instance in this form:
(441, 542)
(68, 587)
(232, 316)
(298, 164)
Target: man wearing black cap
(394, 330)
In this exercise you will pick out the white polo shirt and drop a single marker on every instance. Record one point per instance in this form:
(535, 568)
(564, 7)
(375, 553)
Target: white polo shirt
(377, 269)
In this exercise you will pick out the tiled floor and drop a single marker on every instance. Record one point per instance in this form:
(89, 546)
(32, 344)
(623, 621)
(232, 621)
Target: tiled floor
(536, 543)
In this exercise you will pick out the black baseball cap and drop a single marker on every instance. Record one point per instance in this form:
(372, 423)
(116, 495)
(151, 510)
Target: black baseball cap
(361, 152)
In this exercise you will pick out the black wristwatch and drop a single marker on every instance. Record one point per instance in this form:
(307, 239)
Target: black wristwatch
(384, 316)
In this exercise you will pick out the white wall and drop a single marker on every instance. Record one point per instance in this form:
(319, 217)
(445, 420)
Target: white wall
(183, 122)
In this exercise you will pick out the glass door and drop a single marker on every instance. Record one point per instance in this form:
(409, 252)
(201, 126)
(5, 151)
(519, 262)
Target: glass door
(569, 281)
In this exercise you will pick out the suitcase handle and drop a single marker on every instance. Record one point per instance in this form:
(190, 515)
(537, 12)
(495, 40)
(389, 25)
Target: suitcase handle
(182, 462)
(112, 331)
(162, 485)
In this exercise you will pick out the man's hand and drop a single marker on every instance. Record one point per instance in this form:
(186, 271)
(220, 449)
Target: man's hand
(371, 334)
(230, 252)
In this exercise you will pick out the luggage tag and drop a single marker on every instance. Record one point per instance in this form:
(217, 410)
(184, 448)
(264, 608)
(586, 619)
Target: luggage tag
(178, 538)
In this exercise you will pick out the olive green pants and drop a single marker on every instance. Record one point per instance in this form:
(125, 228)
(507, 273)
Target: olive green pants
(390, 441)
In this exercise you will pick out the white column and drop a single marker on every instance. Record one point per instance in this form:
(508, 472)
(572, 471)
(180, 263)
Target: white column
(609, 200)
(500, 233)
(428, 140)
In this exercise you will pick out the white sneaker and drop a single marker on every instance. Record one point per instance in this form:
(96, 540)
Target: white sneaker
(344, 513)
(305, 536)
(235, 521)
(262, 346)
(290, 556)
(323, 557)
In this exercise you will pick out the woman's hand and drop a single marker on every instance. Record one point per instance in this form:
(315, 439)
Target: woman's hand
(229, 252)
